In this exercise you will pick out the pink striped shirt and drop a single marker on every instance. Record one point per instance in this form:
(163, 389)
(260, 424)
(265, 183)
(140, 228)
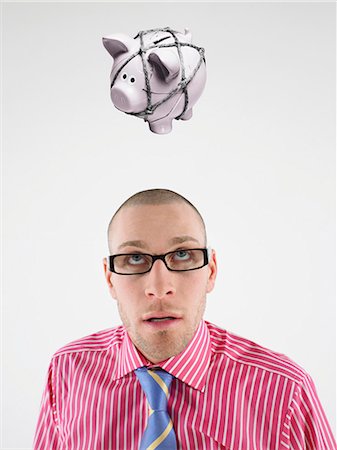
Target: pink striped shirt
(228, 393)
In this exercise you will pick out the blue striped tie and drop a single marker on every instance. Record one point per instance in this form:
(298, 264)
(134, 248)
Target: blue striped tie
(159, 433)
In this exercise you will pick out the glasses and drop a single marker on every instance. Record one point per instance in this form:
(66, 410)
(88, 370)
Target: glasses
(177, 261)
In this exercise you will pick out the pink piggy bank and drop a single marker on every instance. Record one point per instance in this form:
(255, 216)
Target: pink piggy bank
(157, 76)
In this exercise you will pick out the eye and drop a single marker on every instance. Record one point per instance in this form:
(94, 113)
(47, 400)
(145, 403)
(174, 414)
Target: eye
(136, 259)
(182, 255)
(132, 79)
(124, 76)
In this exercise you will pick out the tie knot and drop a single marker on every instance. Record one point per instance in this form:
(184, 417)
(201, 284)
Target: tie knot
(156, 386)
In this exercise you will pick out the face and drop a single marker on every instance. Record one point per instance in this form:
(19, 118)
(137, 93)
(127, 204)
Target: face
(161, 309)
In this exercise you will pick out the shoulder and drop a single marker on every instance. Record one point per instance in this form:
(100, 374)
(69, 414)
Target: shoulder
(242, 351)
(96, 342)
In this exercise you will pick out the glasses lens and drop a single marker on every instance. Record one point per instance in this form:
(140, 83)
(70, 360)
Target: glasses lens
(132, 263)
(185, 259)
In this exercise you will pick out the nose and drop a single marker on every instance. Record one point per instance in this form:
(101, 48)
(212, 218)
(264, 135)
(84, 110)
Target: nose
(121, 99)
(159, 282)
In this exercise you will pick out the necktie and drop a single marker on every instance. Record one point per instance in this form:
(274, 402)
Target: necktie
(159, 433)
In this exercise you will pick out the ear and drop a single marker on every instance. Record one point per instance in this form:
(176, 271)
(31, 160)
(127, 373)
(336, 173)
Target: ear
(117, 44)
(108, 278)
(188, 35)
(212, 267)
(165, 62)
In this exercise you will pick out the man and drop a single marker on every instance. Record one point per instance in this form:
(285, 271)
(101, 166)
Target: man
(166, 378)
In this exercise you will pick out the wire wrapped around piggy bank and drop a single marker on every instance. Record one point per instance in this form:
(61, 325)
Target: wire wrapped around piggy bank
(158, 75)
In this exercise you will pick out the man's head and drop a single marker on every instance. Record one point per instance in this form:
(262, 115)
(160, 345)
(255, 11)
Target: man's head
(161, 309)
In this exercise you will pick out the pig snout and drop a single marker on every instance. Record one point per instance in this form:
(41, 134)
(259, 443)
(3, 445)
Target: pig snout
(122, 100)
(127, 95)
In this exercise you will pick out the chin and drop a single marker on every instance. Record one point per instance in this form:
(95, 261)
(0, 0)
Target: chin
(160, 348)
(165, 350)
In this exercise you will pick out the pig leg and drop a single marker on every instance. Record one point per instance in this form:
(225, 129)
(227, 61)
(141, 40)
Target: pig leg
(161, 126)
(187, 115)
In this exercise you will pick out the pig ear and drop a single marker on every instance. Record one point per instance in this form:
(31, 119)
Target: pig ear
(165, 62)
(188, 35)
(116, 44)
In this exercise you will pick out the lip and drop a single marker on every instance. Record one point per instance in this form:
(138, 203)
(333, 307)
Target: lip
(172, 319)
(162, 324)
(160, 315)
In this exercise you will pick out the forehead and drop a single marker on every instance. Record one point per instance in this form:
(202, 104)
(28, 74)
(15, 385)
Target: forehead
(156, 225)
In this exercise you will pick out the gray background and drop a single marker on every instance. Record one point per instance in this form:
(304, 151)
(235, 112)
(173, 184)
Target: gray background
(257, 159)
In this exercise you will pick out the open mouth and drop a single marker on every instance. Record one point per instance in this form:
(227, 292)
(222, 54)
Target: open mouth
(160, 319)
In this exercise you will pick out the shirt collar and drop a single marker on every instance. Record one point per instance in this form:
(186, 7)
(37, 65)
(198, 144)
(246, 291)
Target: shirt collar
(190, 366)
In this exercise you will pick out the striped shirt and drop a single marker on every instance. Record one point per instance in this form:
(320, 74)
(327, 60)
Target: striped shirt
(227, 393)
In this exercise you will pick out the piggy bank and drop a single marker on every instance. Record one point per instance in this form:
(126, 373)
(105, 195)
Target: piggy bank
(158, 75)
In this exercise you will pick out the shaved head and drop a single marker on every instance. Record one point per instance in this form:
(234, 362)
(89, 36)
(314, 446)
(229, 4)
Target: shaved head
(155, 197)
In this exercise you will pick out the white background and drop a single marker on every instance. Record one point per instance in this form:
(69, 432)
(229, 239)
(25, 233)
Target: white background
(257, 159)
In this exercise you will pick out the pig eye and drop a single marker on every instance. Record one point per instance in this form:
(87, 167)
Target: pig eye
(124, 76)
(132, 80)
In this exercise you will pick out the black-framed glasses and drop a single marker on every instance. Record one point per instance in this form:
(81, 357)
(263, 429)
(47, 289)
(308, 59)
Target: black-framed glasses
(177, 261)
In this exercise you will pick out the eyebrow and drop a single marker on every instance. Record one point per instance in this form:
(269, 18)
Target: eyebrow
(142, 244)
(182, 239)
